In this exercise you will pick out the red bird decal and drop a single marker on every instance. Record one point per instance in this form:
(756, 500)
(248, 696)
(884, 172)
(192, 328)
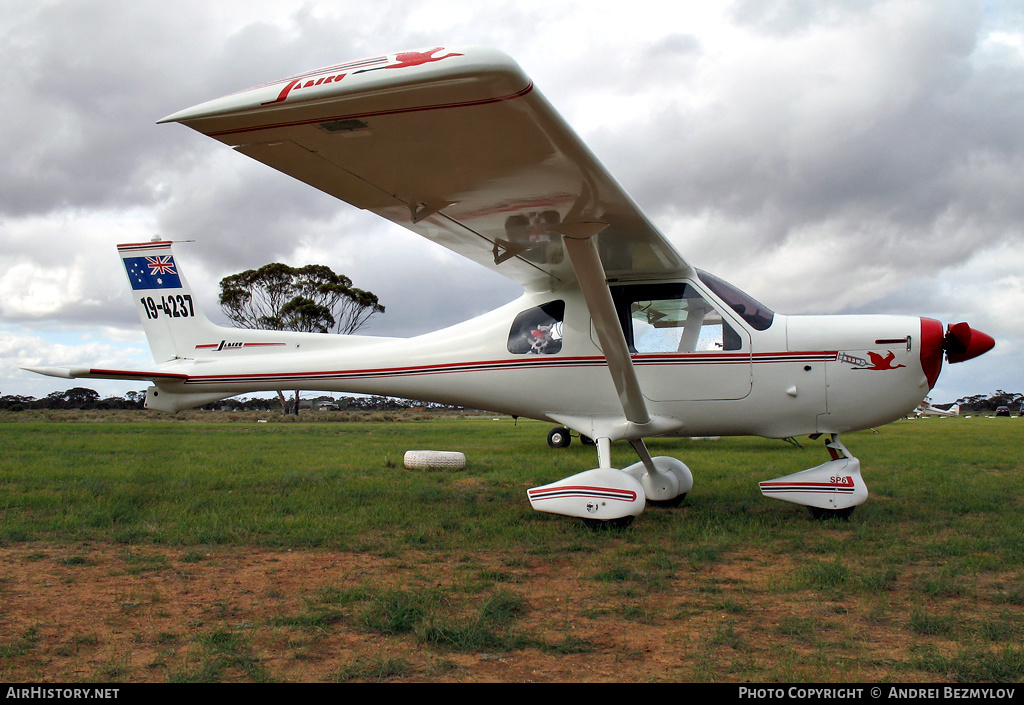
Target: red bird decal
(883, 363)
(417, 58)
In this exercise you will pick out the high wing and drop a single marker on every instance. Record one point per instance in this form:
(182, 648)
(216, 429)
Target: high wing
(456, 145)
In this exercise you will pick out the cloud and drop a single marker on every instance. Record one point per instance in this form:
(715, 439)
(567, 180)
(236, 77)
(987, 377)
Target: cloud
(52, 347)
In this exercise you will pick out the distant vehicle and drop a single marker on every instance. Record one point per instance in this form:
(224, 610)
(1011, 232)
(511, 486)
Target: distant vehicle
(1003, 411)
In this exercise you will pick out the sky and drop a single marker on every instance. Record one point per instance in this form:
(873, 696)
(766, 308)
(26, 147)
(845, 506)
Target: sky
(826, 156)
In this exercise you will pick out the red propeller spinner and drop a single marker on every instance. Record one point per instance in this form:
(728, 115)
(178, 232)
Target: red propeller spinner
(960, 342)
(963, 342)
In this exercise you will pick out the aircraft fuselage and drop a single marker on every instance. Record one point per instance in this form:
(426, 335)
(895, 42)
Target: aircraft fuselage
(816, 374)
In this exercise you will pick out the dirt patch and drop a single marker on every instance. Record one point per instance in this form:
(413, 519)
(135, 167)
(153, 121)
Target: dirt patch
(107, 613)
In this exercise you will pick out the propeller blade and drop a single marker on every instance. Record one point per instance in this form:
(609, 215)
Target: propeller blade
(964, 343)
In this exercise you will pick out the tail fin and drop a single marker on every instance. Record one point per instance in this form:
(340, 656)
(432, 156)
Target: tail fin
(178, 330)
(173, 323)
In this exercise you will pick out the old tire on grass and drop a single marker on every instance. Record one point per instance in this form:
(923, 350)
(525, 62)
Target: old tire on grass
(434, 460)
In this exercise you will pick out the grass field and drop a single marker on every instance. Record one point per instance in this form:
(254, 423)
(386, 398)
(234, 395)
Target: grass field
(176, 551)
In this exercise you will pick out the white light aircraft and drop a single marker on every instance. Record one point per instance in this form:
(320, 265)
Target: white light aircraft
(926, 408)
(616, 336)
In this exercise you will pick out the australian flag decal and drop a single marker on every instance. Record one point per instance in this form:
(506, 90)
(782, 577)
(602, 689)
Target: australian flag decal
(157, 272)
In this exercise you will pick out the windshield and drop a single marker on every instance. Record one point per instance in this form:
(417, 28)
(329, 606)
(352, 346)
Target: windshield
(758, 315)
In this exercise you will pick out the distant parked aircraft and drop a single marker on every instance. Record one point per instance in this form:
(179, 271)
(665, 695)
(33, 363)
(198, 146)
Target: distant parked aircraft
(927, 409)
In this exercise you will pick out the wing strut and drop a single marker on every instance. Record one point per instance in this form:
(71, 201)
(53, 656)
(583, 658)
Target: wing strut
(586, 262)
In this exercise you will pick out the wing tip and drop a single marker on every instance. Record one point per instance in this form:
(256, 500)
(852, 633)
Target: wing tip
(327, 83)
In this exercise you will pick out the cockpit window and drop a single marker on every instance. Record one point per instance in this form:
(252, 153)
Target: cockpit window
(672, 318)
(538, 331)
(758, 315)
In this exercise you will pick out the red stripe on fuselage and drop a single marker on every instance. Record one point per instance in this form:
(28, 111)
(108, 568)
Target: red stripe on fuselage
(527, 362)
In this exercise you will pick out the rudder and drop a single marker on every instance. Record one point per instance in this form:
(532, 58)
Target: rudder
(164, 300)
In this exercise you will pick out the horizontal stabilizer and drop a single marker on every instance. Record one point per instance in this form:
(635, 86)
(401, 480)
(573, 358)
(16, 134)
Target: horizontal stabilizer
(98, 373)
(62, 372)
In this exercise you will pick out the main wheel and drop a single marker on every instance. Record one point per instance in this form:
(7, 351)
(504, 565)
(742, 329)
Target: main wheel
(605, 525)
(667, 503)
(559, 438)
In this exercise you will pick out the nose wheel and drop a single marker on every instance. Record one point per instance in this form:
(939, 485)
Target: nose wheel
(831, 490)
(833, 514)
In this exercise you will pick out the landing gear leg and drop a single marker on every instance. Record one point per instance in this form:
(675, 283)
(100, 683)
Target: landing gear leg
(666, 481)
(838, 452)
(604, 497)
(609, 498)
(604, 461)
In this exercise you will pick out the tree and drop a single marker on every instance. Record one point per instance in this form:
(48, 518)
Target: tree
(136, 399)
(989, 402)
(16, 402)
(74, 398)
(311, 299)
